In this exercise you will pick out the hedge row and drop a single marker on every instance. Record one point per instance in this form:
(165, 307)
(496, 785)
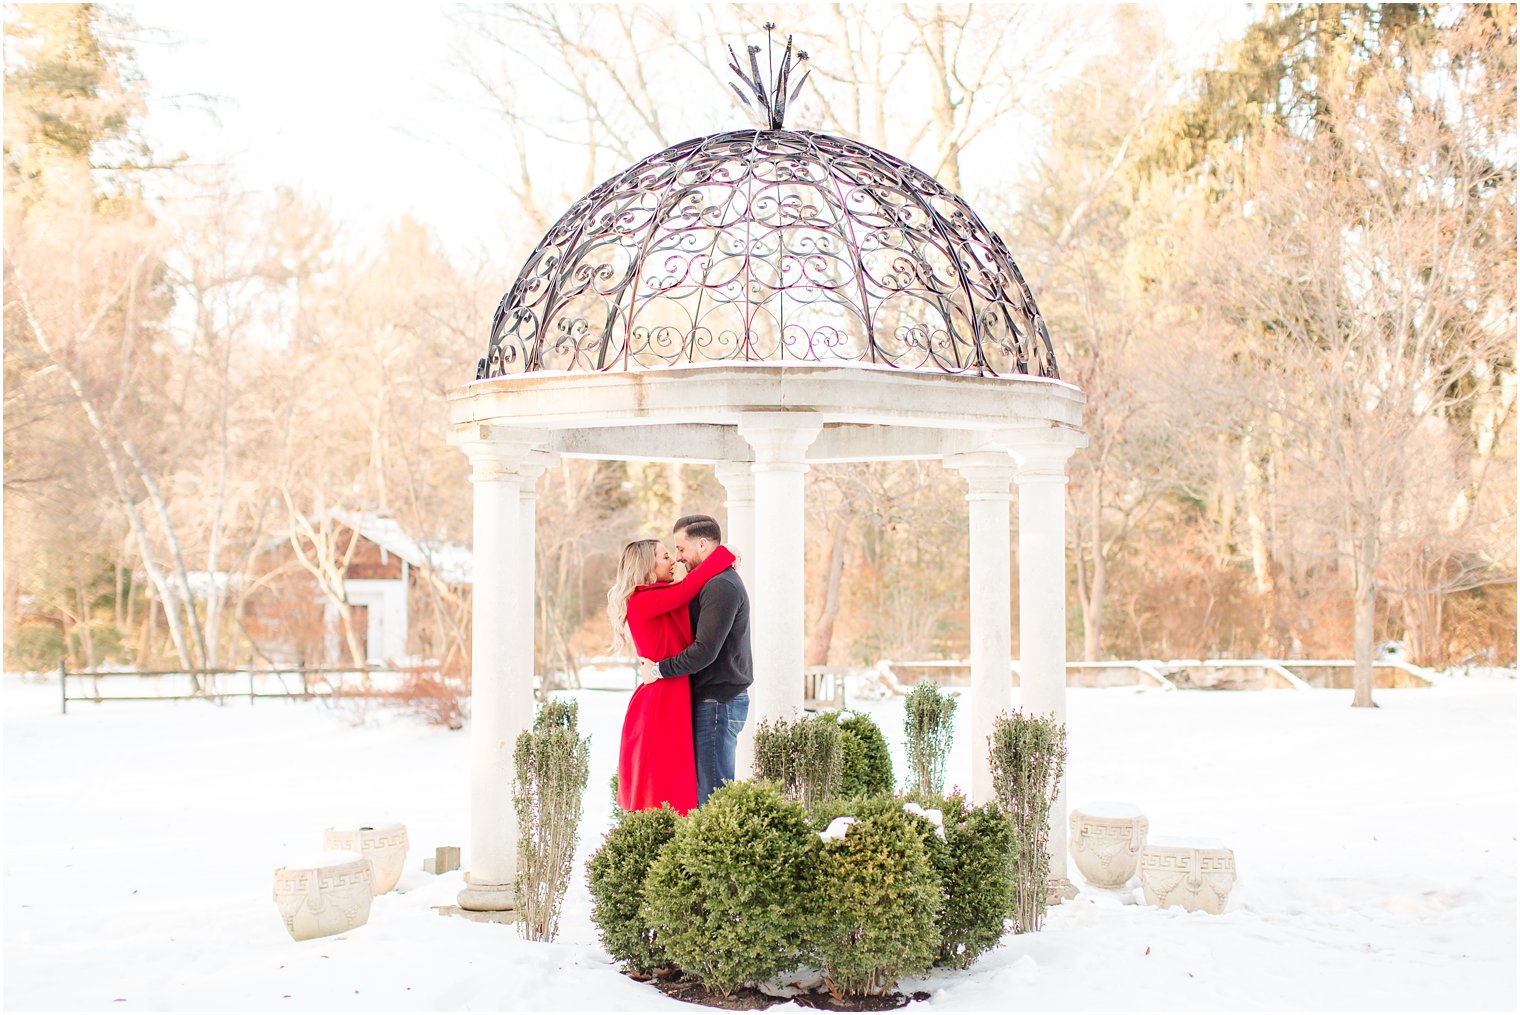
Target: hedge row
(751, 886)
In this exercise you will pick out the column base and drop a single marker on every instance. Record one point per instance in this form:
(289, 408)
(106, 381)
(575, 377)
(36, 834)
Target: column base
(497, 916)
(485, 897)
(1059, 890)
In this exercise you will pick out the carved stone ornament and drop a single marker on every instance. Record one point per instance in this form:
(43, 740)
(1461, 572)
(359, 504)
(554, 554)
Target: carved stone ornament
(1105, 842)
(384, 844)
(1196, 874)
(324, 895)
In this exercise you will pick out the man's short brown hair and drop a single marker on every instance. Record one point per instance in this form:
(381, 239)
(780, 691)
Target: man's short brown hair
(699, 527)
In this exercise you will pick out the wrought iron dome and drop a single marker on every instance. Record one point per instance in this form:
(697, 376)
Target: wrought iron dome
(770, 246)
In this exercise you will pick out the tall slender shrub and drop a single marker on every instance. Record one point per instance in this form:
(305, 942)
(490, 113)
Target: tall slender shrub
(867, 763)
(616, 876)
(804, 756)
(1028, 755)
(929, 728)
(553, 764)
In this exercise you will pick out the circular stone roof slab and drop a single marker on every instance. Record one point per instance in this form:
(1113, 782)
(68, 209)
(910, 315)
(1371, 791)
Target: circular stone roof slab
(565, 410)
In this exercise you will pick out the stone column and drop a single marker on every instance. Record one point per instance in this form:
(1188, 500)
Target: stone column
(988, 475)
(1042, 611)
(501, 703)
(774, 571)
(739, 484)
(526, 556)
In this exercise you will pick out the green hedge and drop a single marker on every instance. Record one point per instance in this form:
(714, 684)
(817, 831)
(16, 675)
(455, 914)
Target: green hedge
(732, 899)
(616, 876)
(879, 899)
(977, 869)
(867, 768)
(803, 755)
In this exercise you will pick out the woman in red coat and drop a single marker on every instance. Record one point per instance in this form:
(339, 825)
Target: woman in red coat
(656, 764)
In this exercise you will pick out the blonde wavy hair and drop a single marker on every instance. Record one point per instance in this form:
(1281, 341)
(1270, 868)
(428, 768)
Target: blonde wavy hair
(635, 568)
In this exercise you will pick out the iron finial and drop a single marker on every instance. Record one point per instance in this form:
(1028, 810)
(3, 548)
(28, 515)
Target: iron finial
(773, 99)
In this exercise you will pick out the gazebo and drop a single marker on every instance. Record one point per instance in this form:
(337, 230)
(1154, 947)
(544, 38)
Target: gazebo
(765, 300)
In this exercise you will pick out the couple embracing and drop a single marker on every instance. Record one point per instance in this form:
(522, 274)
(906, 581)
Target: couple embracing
(692, 637)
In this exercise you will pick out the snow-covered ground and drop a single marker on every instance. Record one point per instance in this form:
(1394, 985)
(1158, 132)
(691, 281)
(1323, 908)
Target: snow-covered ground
(1376, 854)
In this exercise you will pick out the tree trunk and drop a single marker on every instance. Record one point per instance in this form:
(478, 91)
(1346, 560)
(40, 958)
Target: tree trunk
(350, 634)
(1092, 608)
(1261, 561)
(822, 637)
(1364, 603)
(104, 432)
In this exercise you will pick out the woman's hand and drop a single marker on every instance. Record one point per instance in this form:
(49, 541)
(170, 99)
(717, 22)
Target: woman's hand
(678, 571)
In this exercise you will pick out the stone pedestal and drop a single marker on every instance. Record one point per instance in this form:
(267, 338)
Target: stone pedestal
(1105, 842)
(1196, 874)
(326, 894)
(383, 844)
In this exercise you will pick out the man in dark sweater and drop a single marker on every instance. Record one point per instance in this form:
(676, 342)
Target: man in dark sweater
(718, 659)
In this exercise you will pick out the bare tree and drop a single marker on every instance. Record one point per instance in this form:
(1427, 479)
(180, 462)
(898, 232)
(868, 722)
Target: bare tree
(1368, 272)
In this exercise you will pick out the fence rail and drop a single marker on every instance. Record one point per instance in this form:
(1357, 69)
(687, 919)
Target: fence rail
(253, 683)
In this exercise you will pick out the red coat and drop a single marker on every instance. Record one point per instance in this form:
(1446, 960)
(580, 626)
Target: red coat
(656, 763)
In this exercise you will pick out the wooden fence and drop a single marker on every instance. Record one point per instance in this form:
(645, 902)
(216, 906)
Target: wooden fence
(245, 682)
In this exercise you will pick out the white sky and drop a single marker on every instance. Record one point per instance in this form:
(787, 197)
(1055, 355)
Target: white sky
(341, 99)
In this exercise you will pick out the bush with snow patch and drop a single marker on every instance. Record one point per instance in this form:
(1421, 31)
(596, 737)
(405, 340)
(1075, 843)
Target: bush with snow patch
(879, 897)
(732, 899)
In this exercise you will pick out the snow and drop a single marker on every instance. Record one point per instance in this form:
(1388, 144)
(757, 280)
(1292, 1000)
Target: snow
(1375, 852)
(838, 829)
(933, 815)
(1112, 809)
(1185, 842)
(323, 858)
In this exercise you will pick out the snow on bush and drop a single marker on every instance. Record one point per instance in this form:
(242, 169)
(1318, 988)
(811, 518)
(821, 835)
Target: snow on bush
(879, 896)
(732, 899)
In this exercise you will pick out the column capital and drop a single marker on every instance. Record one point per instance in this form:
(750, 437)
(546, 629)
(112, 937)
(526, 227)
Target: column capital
(534, 465)
(497, 453)
(988, 474)
(738, 478)
(780, 439)
(1044, 461)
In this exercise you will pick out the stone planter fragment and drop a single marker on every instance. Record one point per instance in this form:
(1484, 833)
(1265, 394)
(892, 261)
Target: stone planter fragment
(1196, 874)
(1105, 842)
(328, 893)
(384, 844)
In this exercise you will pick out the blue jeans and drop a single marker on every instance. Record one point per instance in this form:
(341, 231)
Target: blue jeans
(715, 727)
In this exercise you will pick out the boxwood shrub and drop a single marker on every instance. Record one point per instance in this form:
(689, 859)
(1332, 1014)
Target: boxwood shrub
(977, 869)
(616, 877)
(879, 898)
(867, 762)
(732, 900)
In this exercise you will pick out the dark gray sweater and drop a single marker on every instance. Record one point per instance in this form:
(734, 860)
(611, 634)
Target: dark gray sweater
(718, 659)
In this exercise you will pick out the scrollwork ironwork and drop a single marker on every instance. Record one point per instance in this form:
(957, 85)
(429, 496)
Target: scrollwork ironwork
(770, 246)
